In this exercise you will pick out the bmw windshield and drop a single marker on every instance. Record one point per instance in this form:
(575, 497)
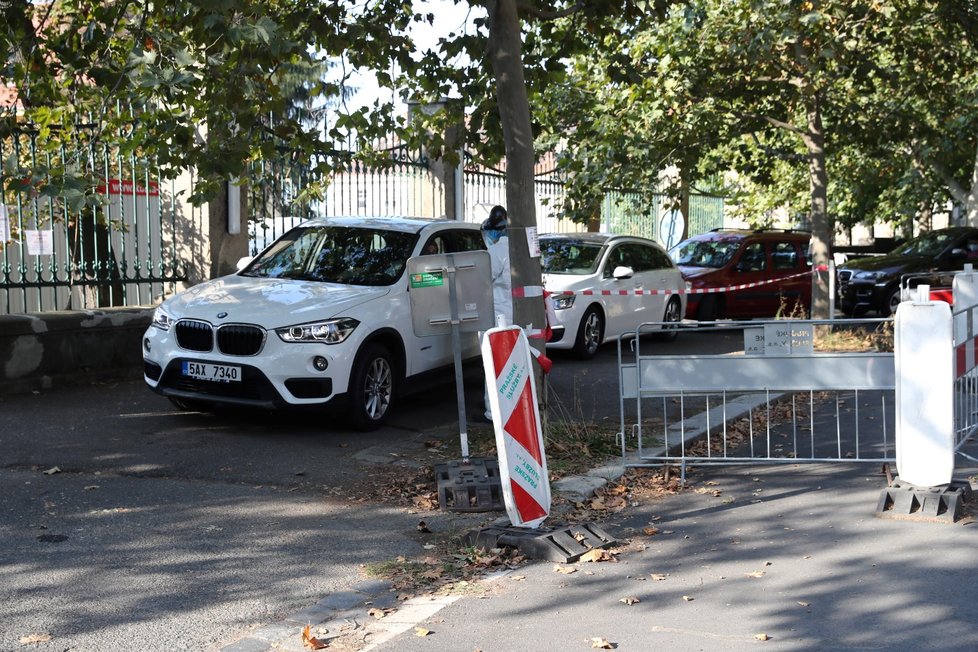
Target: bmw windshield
(334, 254)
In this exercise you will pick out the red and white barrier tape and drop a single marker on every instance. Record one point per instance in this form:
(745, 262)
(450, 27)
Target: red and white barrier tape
(536, 291)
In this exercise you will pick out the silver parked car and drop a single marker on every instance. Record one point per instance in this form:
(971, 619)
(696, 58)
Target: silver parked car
(605, 285)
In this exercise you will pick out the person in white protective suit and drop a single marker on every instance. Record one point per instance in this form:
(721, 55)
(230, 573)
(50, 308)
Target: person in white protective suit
(497, 244)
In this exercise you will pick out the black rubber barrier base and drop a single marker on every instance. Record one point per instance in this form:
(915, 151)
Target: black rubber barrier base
(562, 544)
(470, 487)
(942, 504)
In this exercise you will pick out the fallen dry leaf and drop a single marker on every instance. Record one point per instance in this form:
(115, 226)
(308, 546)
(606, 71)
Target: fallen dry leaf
(597, 554)
(650, 531)
(598, 643)
(91, 487)
(311, 642)
(421, 631)
(803, 603)
(688, 598)
(658, 577)
(566, 570)
(762, 637)
(378, 612)
(423, 527)
(630, 600)
(35, 638)
(755, 574)
(518, 578)
(52, 471)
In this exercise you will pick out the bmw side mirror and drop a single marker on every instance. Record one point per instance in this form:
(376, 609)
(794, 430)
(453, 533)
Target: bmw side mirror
(242, 263)
(958, 252)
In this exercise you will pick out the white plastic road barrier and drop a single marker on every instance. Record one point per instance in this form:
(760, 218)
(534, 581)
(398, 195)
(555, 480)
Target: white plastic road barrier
(924, 393)
(516, 420)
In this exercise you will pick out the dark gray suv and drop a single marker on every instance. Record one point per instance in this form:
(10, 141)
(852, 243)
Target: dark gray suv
(874, 283)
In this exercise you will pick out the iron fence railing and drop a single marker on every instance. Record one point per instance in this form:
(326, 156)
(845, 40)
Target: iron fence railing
(121, 247)
(141, 238)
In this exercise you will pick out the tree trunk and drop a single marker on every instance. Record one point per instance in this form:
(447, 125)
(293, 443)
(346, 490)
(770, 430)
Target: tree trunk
(971, 200)
(821, 232)
(505, 54)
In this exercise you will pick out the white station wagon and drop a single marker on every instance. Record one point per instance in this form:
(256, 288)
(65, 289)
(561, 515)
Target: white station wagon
(323, 314)
(606, 285)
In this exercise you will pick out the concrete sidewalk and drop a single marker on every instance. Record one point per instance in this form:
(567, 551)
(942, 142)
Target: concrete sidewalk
(788, 556)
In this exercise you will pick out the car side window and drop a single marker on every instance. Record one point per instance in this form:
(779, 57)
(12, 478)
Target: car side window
(616, 258)
(785, 256)
(660, 259)
(435, 245)
(753, 259)
(465, 241)
(641, 257)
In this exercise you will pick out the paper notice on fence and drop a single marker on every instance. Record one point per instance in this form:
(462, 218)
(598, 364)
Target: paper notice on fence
(4, 224)
(40, 243)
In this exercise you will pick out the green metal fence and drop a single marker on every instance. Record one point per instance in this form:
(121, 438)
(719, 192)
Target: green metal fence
(622, 211)
(120, 249)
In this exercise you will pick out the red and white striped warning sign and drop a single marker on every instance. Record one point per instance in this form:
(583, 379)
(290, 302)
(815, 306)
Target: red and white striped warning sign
(516, 420)
(965, 357)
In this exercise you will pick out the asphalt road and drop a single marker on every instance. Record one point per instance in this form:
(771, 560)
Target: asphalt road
(127, 524)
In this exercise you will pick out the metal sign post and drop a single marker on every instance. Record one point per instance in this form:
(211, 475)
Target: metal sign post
(452, 294)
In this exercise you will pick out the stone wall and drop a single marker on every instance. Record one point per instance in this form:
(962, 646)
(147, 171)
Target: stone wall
(39, 351)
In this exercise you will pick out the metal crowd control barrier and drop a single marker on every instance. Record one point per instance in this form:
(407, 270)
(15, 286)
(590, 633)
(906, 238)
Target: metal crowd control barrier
(779, 400)
(965, 332)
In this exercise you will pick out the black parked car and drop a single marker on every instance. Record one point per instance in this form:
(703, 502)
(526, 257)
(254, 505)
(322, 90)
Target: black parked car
(875, 283)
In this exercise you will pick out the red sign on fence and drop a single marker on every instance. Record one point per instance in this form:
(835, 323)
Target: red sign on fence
(127, 187)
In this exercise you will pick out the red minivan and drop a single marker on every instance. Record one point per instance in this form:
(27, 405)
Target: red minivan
(742, 274)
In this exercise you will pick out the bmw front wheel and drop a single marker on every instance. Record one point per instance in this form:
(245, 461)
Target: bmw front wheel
(371, 388)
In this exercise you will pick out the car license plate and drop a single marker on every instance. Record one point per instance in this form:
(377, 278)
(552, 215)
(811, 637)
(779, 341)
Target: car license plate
(220, 373)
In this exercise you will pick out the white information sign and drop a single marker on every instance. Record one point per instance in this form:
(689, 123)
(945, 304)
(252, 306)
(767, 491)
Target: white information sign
(788, 338)
(39, 243)
(533, 241)
(779, 339)
(754, 341)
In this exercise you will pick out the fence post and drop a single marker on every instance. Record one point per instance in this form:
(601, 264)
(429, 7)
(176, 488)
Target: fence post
(923, 355)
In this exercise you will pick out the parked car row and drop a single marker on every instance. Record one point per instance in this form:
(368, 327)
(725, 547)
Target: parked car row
(323, 315)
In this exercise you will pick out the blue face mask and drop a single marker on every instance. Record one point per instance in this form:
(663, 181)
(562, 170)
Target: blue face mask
(493, 235)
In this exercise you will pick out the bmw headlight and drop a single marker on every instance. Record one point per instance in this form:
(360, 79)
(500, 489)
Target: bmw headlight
(161, 319)
(331, 331)
(562, 301)
(868, 276)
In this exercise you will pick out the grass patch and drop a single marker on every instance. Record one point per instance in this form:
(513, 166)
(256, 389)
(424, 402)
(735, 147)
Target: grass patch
(448, 569)
(572, 447)
(855, 338)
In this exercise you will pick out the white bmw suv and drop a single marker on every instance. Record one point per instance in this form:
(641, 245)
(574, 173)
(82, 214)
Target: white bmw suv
(322, 314)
